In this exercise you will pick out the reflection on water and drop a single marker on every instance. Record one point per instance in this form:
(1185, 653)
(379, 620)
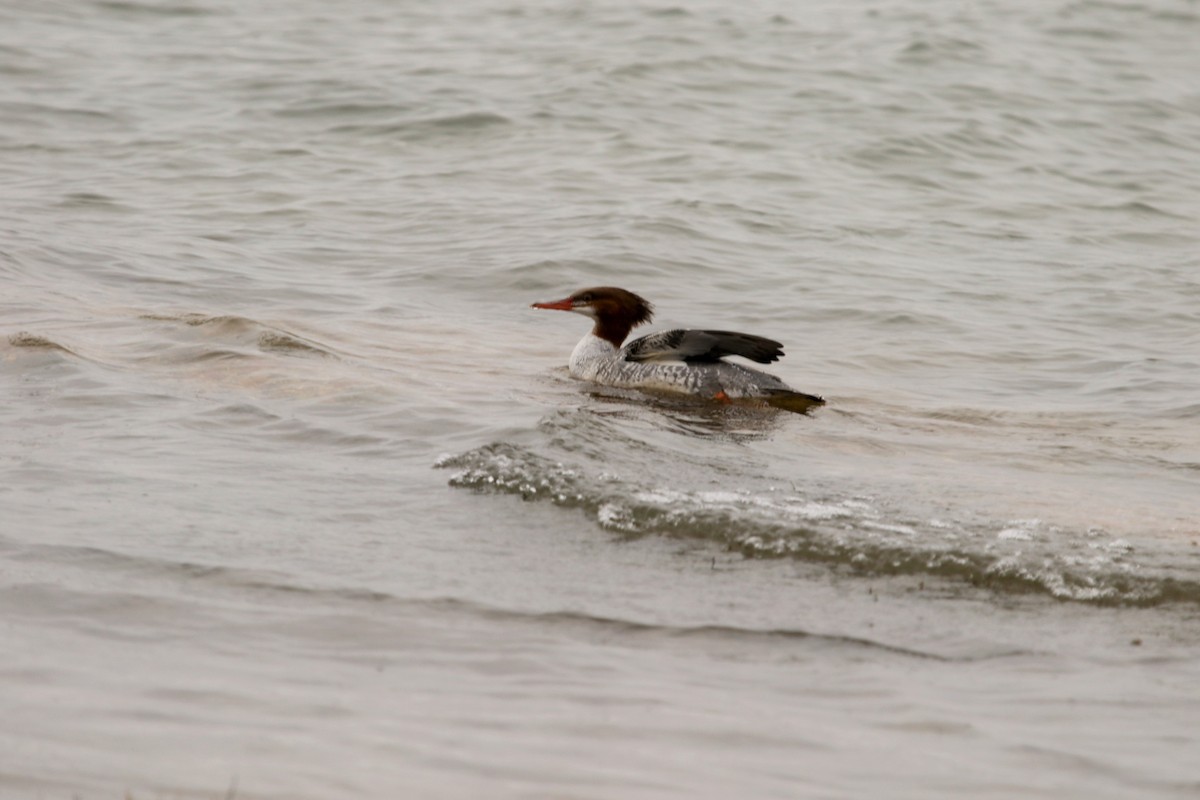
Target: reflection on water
(688, 415)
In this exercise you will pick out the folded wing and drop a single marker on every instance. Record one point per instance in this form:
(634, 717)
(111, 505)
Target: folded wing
(699, 346)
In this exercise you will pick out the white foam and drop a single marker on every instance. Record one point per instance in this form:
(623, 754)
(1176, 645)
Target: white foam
(1015, 535)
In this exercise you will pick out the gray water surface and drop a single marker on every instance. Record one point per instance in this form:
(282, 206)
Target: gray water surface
(299, 501)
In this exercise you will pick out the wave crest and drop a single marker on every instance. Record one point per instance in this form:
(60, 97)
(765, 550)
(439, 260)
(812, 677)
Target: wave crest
(850, 535)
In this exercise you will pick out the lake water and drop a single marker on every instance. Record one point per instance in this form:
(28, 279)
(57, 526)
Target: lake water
(299, 501)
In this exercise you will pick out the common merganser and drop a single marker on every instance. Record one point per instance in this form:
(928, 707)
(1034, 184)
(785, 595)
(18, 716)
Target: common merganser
(683, 361)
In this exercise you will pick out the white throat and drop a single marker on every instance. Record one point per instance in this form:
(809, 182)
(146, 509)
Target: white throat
(589, 354)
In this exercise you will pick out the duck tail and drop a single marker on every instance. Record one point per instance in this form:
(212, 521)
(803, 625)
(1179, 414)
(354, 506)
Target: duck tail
(796, 402)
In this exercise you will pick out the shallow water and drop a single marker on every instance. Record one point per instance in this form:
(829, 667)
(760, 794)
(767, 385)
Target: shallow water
(298, 499)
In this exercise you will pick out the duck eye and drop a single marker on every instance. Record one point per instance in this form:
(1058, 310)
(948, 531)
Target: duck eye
(586, 297)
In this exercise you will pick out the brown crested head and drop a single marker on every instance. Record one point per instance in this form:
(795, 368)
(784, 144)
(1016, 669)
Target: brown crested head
(609, 301)
(616, 311)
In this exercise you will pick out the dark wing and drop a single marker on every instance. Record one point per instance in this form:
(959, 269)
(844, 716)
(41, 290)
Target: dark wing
(681, 345)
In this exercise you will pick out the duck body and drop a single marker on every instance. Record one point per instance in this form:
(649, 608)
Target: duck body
(683, 361)
(596, 359)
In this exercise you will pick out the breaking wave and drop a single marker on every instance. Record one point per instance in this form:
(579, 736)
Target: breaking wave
(852, 535)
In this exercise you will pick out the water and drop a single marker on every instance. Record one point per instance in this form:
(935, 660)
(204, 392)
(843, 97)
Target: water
(299, 501)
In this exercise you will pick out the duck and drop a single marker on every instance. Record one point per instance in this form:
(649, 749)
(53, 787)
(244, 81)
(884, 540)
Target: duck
(681, 361)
